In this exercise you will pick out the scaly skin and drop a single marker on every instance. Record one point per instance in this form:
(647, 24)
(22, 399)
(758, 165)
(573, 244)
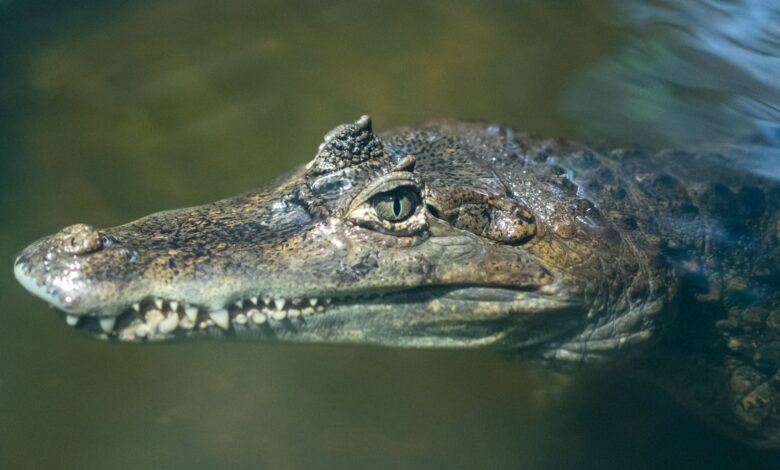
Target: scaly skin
(460, 234)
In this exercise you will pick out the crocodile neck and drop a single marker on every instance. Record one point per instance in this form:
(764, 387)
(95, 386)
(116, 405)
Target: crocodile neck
(719, 226)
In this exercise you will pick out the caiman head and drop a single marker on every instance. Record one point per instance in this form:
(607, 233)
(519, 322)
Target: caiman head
(451, 234)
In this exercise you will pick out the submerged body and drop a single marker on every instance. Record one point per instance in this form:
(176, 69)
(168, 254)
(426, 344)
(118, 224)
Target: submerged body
(461, 234)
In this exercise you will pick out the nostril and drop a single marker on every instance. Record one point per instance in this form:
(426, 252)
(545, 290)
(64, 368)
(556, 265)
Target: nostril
(79, 239)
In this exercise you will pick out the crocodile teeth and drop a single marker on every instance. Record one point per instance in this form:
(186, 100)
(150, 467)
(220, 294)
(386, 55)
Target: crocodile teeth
(221, 318)
(191, 312)
(257, 316)
(169, 324)
(279, 315)
(153, 318)
(107, 324)
(142, 330)
(72, 320)
(186, 323)
(164, 317)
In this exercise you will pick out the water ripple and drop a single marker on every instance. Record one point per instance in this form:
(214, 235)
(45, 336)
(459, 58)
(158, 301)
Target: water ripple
(691, 72)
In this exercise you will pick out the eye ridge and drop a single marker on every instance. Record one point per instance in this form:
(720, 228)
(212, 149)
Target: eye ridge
(396, 205)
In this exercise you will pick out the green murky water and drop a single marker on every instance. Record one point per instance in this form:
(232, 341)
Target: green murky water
(111, 112)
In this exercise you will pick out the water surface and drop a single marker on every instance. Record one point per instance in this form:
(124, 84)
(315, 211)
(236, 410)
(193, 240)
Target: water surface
(110, 112)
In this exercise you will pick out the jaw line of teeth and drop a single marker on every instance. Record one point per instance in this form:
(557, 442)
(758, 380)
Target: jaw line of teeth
(163, 317)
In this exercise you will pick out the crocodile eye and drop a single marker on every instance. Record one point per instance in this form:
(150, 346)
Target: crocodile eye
(396, 205)
(392, 204)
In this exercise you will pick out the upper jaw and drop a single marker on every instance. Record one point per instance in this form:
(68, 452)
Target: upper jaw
(22, 275)
(59, 296)
(59, 281)
(137, 310)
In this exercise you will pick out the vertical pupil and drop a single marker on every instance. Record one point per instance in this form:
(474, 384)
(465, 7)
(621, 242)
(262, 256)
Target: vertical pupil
(396, 205)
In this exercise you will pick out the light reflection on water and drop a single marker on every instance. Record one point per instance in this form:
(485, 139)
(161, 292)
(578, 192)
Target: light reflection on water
(691, 73)
(111, 112)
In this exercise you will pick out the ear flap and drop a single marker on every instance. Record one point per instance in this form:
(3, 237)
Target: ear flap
(498, 218)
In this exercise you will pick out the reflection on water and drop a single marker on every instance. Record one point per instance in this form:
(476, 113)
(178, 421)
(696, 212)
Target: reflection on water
(113, 111)
(691, 72)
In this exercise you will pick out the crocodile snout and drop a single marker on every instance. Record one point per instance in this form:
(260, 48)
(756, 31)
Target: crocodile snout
(78, 239)
(59, 268)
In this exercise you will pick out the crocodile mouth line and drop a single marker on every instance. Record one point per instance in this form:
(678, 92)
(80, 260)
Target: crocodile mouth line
(157, 318)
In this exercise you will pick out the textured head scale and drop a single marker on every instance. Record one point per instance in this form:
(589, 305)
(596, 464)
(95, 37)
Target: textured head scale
(348, 145)
(350, 156)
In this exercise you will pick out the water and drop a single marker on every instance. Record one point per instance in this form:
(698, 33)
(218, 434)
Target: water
(110, 112)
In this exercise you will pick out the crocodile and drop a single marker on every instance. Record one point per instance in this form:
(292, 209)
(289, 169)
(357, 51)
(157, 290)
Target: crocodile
(464, 235)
